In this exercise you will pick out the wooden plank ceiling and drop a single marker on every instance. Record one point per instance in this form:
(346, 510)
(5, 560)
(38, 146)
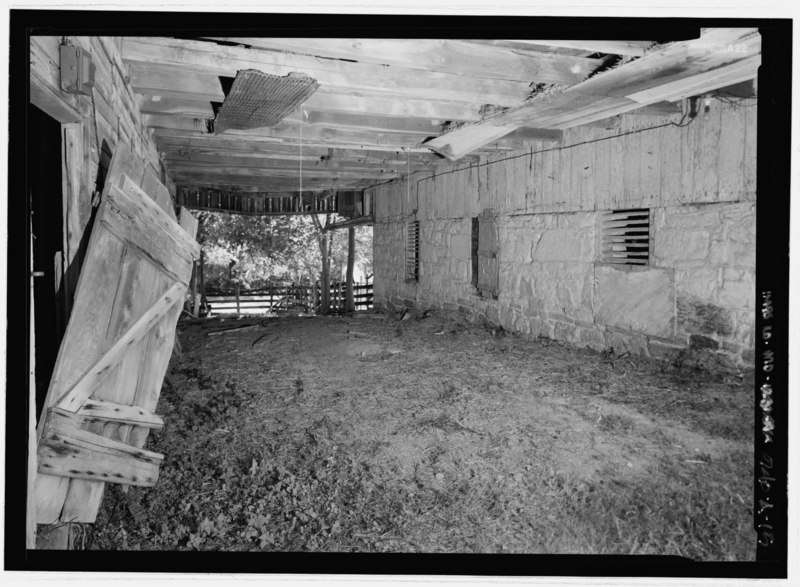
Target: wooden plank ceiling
(387, 107)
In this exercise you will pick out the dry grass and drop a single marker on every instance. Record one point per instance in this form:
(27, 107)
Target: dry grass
(343, 435)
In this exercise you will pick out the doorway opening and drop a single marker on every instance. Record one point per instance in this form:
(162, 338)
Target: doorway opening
(47, 226)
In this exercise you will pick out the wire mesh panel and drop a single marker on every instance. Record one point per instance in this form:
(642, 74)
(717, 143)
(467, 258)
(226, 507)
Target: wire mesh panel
(626, 237)
(258, 99)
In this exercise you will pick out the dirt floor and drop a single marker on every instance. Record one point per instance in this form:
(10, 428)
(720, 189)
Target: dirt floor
(372, 433)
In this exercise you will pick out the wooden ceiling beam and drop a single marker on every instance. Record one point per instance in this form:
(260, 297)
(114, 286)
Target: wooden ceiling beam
(425, 127)
(209, 58)
(177, 147)
(311, 117)
(632, 48)
(317, 137)
(174, 82)
(184, 188)
(266, 184)
(174, 106)
(683, 68)
(288, 130)
(196, 138)
(460, 57)
(309, 164)
(311, 174)
(167, 86)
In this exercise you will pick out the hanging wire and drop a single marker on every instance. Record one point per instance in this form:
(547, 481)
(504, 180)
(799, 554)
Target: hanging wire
(408, 174)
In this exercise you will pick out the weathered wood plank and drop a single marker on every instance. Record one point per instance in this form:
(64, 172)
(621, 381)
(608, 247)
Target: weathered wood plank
(311, 135)
(237, 140)
(688, 143)
(131, 201)
(706, 142)
(310, 173)
(610, 92)
(632, 163)
(68, 451)
(342, 76)
(669, 139)
(108, 411)
(730, 164)
(583, 165)
(650, 171)
(175, 106)
(123, 163)
(100, 272)
(48, 100)
(259, 184)
(293, 164)
(158, 192)
(187, 221)
(199, 150)
(616, 186)
(633, 48)
(440, 55)
(750, 151)
(158, 348)
(83, 388)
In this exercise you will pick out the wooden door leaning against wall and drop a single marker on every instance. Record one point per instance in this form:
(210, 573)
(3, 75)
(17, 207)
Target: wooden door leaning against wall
(116, 349)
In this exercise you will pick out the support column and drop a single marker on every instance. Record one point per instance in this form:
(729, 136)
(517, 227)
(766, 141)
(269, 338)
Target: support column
(351, 257)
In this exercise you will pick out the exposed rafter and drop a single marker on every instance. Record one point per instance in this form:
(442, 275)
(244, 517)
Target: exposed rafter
(389, 107)
(334, 75)
(463, 58)
(632, 48)
(683, 68)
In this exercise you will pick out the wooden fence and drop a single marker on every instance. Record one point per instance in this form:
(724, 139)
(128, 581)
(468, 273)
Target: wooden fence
(282, 299)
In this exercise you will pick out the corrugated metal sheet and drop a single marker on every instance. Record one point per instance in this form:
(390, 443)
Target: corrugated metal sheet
(258, 99)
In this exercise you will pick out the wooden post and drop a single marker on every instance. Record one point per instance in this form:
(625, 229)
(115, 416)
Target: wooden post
(271, 294)
(203, 301)
(193, 287)
(238, 308)
(349, 305)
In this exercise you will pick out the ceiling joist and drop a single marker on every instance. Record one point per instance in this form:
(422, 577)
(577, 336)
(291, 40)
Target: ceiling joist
(463, 58)
(335, 75)
(679, 69)
(388, 107)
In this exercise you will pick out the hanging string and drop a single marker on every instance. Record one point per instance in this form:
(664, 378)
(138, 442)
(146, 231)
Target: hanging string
(408, 175)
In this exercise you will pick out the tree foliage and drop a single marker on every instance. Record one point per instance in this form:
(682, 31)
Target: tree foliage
(256, 249)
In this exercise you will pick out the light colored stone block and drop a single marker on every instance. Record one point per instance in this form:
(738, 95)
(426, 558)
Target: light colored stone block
(639, 301)
(564, 245)
(674, 247)
(738, 294)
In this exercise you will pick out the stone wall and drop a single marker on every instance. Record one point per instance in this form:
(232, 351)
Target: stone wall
(697, 292)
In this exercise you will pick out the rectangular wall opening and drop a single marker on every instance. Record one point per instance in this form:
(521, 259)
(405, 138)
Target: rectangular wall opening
(46, 209)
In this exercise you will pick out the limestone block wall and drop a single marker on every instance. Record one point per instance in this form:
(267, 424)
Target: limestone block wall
(712, 251)
(698, 290)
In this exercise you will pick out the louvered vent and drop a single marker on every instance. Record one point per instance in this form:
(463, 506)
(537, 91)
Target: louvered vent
(412, 250)
(626, 237)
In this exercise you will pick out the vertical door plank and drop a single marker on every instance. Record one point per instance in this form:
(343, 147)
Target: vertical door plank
(134, 294)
